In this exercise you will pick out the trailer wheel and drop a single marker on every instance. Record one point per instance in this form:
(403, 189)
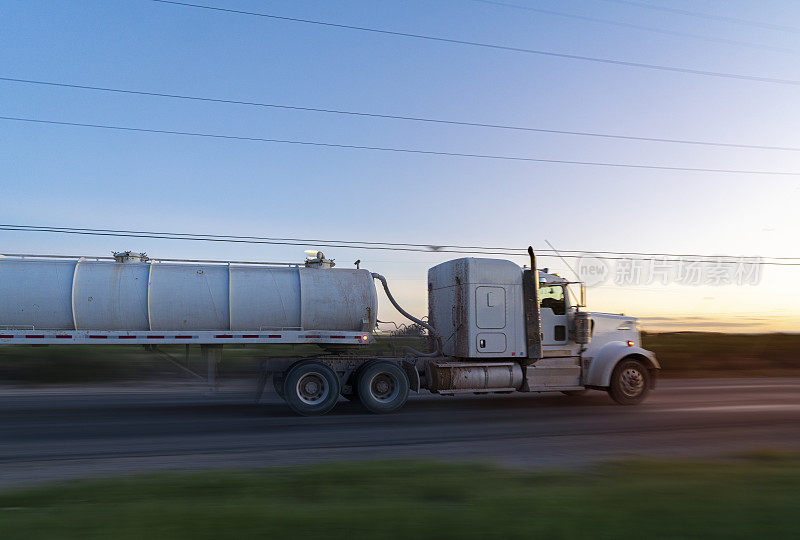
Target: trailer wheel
(630, 382)
(355, 397)
(311, 388)
(382, 387)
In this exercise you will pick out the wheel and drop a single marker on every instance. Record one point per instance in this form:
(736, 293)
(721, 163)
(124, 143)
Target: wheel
(354, 397)
(311, 388)
(630, 382)
(574, 392)
(382, 387)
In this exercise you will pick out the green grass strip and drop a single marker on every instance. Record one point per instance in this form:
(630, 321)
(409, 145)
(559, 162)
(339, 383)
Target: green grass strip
(756, 496)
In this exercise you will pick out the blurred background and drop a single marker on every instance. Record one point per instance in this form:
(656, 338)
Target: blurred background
(649, 148)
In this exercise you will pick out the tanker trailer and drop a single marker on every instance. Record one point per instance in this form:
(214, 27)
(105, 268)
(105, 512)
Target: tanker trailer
(491, 331)
(132, 295)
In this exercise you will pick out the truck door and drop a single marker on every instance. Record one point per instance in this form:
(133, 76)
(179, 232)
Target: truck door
(553, 305)
(559, 368)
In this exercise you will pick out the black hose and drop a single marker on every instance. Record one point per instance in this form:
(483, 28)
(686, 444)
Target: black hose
(437, 339)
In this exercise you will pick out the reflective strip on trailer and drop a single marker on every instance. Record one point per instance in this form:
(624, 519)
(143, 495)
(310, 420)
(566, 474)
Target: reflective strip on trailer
(199, 337)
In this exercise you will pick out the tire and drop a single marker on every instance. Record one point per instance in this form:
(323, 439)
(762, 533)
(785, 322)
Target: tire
(630, 382)
(354, 397)
(311, 388)
(382, 387)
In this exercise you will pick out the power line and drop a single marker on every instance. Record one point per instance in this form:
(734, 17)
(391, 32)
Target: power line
(735, 20)
(402, 150)
(427, 247)
(639, 27)
(540, 52)
(640, 253)
(304, 240)
(208, 238)
(399, 117)
(346, 244)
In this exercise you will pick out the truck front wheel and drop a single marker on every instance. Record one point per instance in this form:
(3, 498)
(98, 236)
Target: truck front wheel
(630, 382)
(311, 388)
(382, 387)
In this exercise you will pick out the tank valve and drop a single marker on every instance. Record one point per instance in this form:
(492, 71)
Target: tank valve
(130, 257)
(316, 259)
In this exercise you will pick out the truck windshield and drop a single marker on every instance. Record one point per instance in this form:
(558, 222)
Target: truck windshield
(552, 296)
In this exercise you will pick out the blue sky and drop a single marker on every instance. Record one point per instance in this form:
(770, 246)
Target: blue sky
(81, 177)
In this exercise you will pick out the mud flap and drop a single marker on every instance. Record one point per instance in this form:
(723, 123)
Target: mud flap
(525, 386)
(413, 375)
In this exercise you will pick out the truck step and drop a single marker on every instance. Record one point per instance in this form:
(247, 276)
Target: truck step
(476, 391)
(552, 388)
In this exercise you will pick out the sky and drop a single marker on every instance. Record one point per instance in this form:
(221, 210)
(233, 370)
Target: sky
(82, 177)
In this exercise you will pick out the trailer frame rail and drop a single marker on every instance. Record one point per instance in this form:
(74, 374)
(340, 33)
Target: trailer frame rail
(183, 337)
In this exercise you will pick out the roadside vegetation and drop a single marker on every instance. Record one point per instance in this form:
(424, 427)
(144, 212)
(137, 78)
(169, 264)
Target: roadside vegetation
(750, 497)
(708, 354)
(682, 354)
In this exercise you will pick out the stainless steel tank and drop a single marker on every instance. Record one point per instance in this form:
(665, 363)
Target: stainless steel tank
(136, 295)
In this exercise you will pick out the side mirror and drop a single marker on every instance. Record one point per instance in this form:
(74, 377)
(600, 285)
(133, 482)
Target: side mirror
(583, 295)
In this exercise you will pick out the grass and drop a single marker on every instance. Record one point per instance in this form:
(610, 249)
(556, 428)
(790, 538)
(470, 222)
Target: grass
(693, 354)
(58, 364)
(754, 496)
(93, 363)
(682, 354)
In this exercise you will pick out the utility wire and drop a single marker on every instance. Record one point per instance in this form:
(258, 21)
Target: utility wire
(540, 52)
(639, 253)
(170, 236)
(427, 247)
(244, 240)
(304, 240)
(746, 22)
(399, 117)
(638, 27)
(403, 150)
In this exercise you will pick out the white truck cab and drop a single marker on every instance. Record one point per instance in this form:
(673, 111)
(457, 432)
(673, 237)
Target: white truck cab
(486, 318)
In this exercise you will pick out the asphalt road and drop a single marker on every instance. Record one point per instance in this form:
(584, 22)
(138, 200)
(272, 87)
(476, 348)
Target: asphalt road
(70, 432)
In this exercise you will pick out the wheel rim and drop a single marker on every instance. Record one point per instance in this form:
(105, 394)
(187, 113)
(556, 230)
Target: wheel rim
(312, 388)
(631, 382)
(384, 387)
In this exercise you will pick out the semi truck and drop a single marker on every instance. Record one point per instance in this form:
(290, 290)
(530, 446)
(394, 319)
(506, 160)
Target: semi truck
(493, 327)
